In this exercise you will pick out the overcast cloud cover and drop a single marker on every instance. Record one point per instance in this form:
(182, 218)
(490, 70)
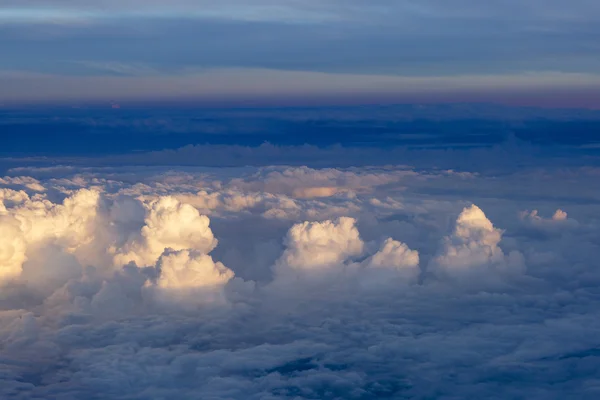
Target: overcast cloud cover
(299, 283)
(156, 50)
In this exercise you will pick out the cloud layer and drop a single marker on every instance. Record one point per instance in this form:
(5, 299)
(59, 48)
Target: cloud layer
(261, 284)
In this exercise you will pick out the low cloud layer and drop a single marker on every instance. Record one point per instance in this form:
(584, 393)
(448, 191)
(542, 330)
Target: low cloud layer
(297, 283)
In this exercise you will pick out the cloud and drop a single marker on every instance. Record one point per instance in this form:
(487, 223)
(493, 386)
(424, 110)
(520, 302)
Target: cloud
(326, 254)
(236, 85)
(12, 249)
(25, 181)
(559, 215)
(38, 223)
(473, 249)
(316, 245)
(184, 270)
(394, 254)
(558, 224)
(168, 225)
(373, 294)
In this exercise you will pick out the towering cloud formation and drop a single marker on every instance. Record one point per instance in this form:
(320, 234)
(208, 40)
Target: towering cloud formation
(35, 223)
(70, 224)
(473, 247)
(47, 244)
(169, 224)
(176, 239)
(314, 245)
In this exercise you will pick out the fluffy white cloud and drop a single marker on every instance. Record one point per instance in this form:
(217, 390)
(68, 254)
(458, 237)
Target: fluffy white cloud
(182, 269)
(34, 223)
(394, 264)
(70, 224)
(316, 245)
(473, 247)
(169, 224)
(394, 254)
(190, 278)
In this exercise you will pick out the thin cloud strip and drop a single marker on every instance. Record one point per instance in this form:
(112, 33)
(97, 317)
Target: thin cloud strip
(23, 87)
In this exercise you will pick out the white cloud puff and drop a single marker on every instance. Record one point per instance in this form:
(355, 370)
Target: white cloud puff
(559, 215)
(393, 264)
(316, 245)
(70, 224)
(394, 254)
(559, 218)
(188, 279)
(36, 223)
(169, 224)
(184, 269)
(474, 247)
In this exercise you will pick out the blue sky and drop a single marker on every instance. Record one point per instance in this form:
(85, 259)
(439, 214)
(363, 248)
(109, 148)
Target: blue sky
(507, 51)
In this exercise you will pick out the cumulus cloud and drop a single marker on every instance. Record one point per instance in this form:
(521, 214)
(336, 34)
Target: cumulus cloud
(121, 292)
(394, 254)
(328, 252)
(184, 270)
(169, 224)
(191, 278)
(393, 264)
(559, 217)
(36, 223)
(316, 245)
(473, 248)
(555, 225)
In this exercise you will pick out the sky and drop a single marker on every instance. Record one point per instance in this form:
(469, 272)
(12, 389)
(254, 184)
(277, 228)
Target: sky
(299, 200)
(329, 51)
